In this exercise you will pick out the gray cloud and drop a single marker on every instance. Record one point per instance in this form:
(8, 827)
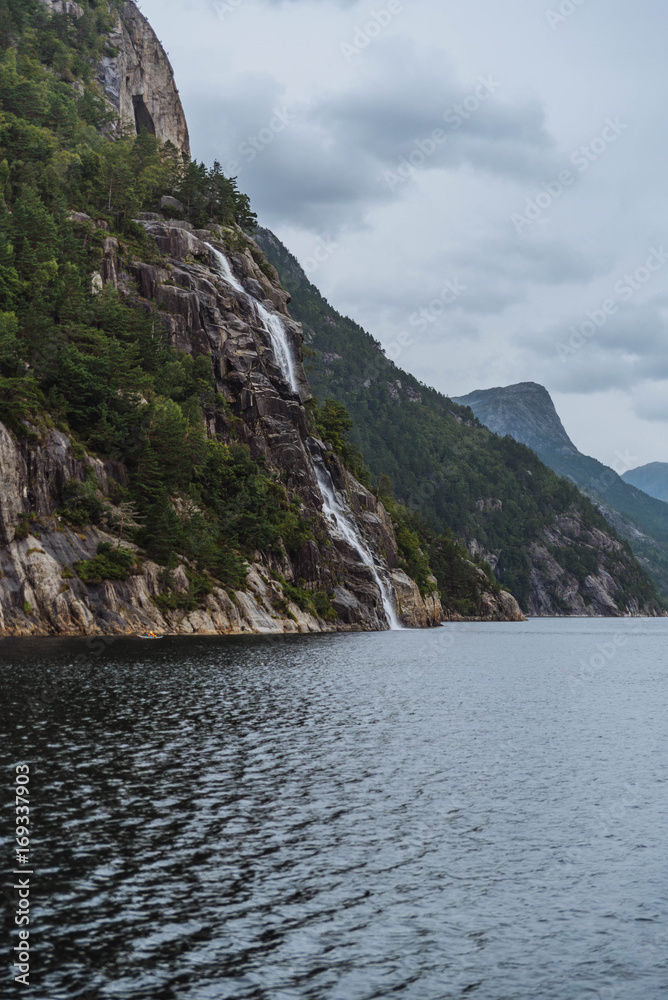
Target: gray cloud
(352, 123)
(341, 154)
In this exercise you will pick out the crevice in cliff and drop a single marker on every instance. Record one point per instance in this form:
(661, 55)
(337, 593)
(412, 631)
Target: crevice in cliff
(143, 117)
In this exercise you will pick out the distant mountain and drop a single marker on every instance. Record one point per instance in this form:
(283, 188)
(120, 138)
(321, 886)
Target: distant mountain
(526, 412)
(652, 479)
(545, 541)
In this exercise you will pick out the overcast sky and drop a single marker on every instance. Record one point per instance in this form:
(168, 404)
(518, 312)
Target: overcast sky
(481, 185)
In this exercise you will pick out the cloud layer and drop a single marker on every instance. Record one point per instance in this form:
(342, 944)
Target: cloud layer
(513, 149)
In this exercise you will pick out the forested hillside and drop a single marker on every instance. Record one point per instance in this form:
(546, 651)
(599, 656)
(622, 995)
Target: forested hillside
(83, 361)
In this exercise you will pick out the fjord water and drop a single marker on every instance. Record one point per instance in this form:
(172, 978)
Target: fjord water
(476, 811)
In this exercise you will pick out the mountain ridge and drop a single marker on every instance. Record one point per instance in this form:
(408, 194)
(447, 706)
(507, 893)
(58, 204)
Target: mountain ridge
(651, 479)
(526, 412)
(527, 405)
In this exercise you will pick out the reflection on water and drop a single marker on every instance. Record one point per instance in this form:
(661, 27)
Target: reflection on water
(475, 811)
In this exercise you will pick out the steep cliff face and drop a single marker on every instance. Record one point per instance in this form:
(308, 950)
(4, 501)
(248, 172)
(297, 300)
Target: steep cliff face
(525, 411)
(139, 81)
(205, 312)
(64, 7)
(41, 591)
(326, 558)
(590, 587)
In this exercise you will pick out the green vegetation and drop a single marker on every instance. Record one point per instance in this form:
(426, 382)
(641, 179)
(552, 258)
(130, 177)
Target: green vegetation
(57, 156)
(467, 482)
(424, 554)
(628, 504)
(333, 423)
(22, 529)
(95, 365)
(80, 503)
(173, 599)
(314, 602)
(102, 370)
(527, 413)
(108, 564)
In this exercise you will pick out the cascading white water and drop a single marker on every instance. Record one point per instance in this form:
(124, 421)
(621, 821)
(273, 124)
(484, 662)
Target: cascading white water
(348, 530)
(223, 265)
(272, 322)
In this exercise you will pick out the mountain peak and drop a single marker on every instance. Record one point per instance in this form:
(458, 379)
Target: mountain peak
(652, 479)
(525, 411)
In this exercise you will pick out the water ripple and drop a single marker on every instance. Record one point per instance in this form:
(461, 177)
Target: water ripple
(417, 815)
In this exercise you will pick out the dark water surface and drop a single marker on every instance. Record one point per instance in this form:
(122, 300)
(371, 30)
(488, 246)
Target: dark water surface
(478, 811)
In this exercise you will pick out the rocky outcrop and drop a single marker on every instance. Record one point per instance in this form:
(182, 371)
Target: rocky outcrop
(496, 605)
(228, 308)
(41, 594)
(558, 592)
(64, 7)
(419, 612)
(139, 82)
(525, 411)
(136, 76)
(40, 590)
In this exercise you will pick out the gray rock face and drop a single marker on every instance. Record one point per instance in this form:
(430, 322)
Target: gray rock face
(139, 80)
(557, 593)
(40, 592)
(64, 7)
(525, 411)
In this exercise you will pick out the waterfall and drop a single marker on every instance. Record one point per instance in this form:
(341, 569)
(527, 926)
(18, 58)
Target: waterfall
(223, 265)
(272, 322)
(348, 530)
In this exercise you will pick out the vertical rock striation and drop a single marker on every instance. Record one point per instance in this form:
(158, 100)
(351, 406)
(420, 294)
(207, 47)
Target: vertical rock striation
(139, 80)
(41, 591)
